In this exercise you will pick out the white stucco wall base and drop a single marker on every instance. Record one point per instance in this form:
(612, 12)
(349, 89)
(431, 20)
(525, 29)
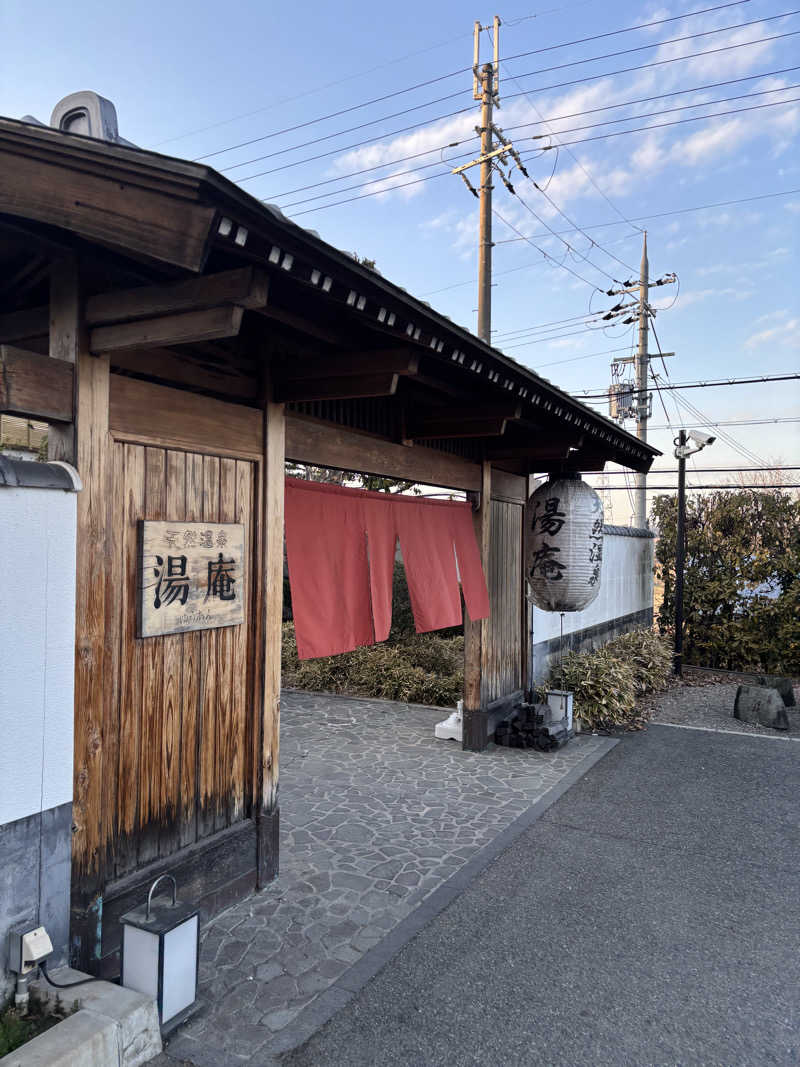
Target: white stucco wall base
(37, 655)
(625, 601)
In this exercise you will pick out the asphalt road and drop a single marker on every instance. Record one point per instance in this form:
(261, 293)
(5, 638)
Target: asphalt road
(651, 916)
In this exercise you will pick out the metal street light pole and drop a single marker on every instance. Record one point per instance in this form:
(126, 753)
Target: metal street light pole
(682, 450)
(680, 548)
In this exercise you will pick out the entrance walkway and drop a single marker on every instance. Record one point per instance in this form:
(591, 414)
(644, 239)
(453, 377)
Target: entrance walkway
(376, 818)
(649, 917)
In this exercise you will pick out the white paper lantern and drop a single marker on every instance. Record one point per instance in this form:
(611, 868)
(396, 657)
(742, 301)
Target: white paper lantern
(564, 547)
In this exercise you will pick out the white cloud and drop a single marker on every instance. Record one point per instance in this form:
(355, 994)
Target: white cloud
(697, 296)
(785, 333)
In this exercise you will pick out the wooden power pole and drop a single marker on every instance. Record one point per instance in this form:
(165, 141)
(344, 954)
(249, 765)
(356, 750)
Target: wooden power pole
(485, 213)
(485, 87)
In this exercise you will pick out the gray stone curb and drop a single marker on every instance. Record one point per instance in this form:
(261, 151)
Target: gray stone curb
(334, 998)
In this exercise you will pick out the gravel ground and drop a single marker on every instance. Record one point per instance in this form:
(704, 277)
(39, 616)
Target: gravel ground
(700, 700)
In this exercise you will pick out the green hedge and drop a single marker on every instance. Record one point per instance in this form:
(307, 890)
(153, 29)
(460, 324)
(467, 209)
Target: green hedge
(415, 668)
(608, 682)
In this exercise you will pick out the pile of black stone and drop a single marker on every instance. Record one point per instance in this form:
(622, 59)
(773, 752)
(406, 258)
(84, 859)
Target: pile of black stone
(534, 726)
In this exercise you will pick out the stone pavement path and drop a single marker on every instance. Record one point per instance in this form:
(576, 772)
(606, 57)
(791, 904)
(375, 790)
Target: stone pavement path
(649, 917)
(375, 816)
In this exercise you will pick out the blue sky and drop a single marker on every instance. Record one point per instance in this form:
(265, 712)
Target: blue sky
(195, 78)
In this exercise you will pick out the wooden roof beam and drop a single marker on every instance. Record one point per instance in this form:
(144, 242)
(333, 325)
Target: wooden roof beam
(246, 288)
(35, 386)
(167, 330)
(554, 446)
(586, 461)
(20, 325)
(489, 420)
(340, 388)
(351, 365)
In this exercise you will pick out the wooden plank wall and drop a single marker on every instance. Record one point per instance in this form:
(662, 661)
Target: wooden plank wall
(178, 713)
(503, 647)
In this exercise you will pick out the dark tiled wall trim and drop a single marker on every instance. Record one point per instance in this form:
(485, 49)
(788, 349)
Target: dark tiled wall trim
(584, 640)
(19, 880)
(629, 531)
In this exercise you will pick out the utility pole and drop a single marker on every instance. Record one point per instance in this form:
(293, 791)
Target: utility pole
(486, 87)
(642, 399)
(485, 212)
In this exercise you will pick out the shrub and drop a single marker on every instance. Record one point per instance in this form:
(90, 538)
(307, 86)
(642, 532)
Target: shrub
(416, 669)
(741, 598)
(608, 681)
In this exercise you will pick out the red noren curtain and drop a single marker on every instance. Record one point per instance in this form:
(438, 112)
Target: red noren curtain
(340, 545)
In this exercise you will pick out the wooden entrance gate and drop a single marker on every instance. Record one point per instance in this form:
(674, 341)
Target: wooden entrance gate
(181, 705)
(172, 780)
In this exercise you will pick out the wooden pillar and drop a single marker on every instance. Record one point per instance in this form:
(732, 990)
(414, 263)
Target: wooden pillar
(475, 719)
(65, 327)
(85, 444)
(526, 611)
(272, 492)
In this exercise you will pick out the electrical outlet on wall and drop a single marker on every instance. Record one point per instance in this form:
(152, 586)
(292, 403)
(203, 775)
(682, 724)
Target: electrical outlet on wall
(27, 947)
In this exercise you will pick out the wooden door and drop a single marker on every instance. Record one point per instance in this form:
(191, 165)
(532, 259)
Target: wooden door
(181, 731)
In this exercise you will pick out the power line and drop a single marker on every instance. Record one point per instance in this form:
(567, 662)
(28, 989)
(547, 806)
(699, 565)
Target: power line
(541, 340)
(677, 211)
(601, 225)
(584, 140)
(738, 422)
(717, 470)
(584, 169)
(720, 485)
(466, 110)
(695, 412)
(526, 125)
(417, 85)
(659, 96)
(509, 270)
(566, 244)
(665, 111)
(543, 325)
(679, 122)
(591, 126)
(576, 359)
(659, 44)
(546, 255)
(614, 33)
(589, 394)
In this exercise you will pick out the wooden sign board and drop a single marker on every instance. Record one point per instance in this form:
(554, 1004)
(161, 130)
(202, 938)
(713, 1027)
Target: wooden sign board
(192, 576)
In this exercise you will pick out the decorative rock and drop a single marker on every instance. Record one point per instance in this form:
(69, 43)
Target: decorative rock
(783, 685)
(761, 706)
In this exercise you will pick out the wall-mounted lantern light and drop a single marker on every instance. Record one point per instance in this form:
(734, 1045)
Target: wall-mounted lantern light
(160, 949)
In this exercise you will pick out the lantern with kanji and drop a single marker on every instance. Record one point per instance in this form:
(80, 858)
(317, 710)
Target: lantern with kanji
(564, 544)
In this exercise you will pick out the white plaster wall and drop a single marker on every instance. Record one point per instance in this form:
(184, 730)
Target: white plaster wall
(37, 649)
(626, 586)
